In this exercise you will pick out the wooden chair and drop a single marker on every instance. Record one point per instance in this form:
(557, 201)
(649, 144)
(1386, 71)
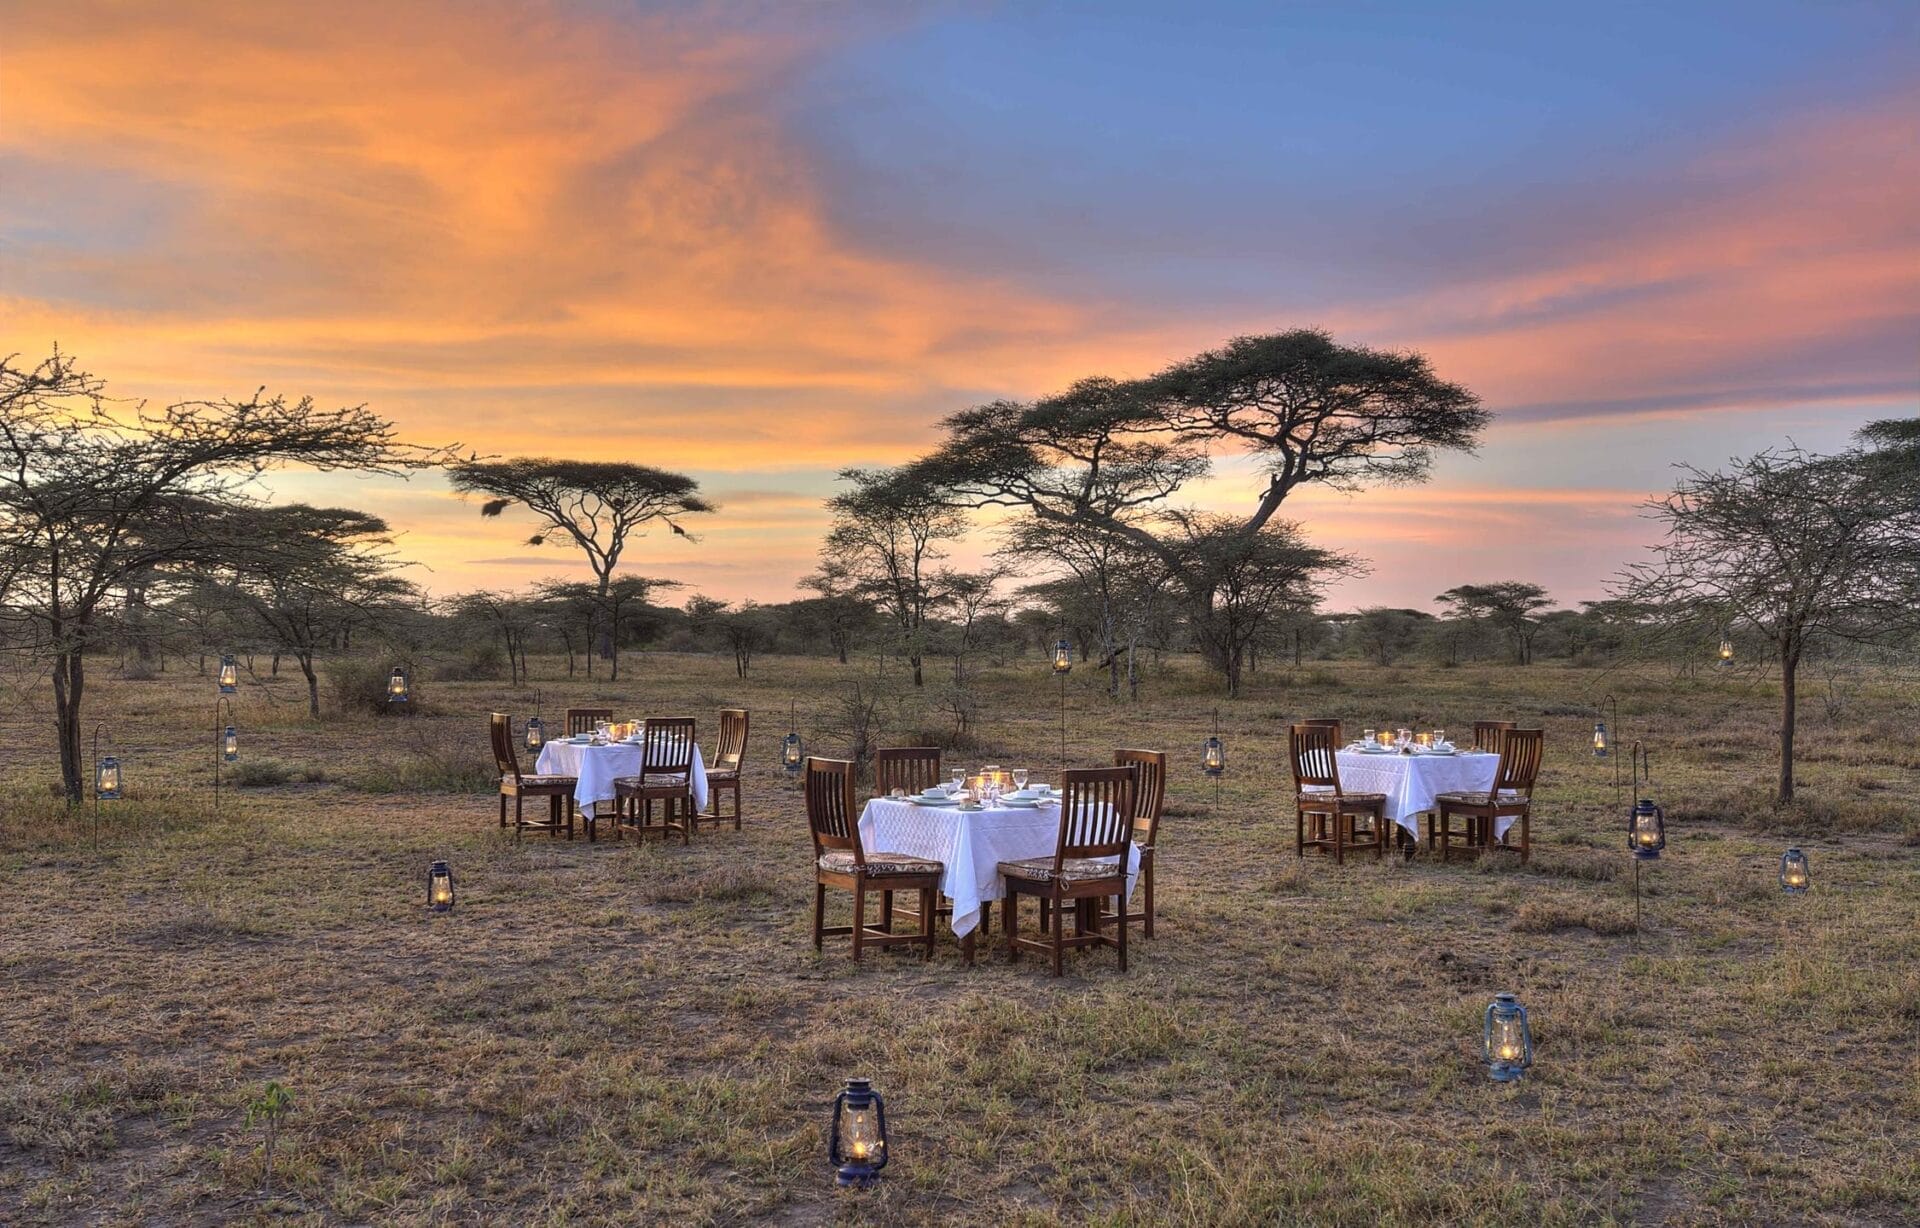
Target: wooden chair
(584, 720)
(723, 772)
(1512, 794)
(1329, 723)
(1487, 734)
(1089, 863)
(666, 776)
(558, 790)
(840, 861)
(1149, 803)
(1317, 793)
(913, 768)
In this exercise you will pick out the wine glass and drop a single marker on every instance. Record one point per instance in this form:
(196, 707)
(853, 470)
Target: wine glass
(1019, 778)
(1404, 737)
(1367, 736)
(1439, 738)
(959, 779)
(603, 731)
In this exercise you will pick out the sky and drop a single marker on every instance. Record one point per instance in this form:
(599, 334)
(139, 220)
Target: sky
(758, 243)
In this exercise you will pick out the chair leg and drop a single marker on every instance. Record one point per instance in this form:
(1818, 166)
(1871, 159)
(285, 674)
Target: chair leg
(1445, 821)
(1342, 827)
(1009, 922)
(503, 812)
(519, 816)
(1059, 941)
(886, 911)
(1122, 918)
(1380, 829)
(736, 805)
(819, 913)
(859, 916)
(1146, 896)
(926, 920)
(1299, 833)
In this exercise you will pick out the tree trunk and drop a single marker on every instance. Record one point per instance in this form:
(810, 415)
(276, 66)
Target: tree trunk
(69, 683)
(313, 685)
(1789, 669)
(919, 679)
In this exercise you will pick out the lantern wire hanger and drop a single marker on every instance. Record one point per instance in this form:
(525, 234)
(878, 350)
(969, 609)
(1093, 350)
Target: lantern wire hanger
(226, 742)
(1646, 826)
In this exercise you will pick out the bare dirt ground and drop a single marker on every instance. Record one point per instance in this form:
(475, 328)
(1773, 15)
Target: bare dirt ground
(618, 1034)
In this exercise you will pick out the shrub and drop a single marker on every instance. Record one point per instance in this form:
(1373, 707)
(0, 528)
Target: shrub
(359, 688)
(483, 662)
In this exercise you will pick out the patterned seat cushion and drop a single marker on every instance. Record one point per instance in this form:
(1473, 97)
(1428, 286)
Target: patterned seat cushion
(1463, 798)
(1358, 799)
(551, 782)
(724, 774)
(840, 861)
(650, 782)
(1073, 870)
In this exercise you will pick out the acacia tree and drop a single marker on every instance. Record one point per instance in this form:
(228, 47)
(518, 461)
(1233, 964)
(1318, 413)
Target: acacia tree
(600, 506)
(1107, 454)
(841, 611)
(304, 577)
(511, 617)
(1796, 547)
(1510, 605)
(95, 494)
(887, 532)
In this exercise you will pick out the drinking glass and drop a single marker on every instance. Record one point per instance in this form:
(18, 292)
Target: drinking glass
(1367, 736)
(1404, 737)
(1019, 778)
(603, 731)
(959, 779)
(1439, 737)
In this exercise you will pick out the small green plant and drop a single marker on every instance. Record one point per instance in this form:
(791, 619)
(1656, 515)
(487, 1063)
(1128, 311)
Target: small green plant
(274, 1103)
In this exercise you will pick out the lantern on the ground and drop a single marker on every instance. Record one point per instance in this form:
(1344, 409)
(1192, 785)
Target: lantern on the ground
(536, 733)
(229, 675)
(106, 778)
(399, 687)
(857, 1147)
(1213, 756)
(440, 887)
(1795, 876)
(1600, 748)
(1062, 657)
(1506, 1042)
(230, 744)
(1726, 648)
(1647, 830)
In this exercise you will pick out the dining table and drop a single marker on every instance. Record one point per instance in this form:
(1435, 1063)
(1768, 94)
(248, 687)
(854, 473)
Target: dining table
(970, 845)
(596, 765)
(1413, 780)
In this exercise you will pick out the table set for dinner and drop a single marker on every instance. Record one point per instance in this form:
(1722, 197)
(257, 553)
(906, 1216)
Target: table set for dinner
(600, 758)
(1412, 768)
(971, 825)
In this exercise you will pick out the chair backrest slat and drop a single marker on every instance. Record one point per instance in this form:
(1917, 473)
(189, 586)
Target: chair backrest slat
(666, 746)
(913, 768)
(1520, 752)
(830, 806)
(1096, 813)
(1487, 735)
(1312, 749)
(731, 749)
(1149, 790)
(1328, 723)
(583, 720)
(502, 733)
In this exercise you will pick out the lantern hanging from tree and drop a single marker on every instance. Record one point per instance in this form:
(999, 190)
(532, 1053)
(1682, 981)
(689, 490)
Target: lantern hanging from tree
(440, 887)
(1795, 874)
(229, 675)
(857, 1145)
(1506, 1042)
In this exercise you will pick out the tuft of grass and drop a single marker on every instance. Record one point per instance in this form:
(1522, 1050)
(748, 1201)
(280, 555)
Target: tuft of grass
(1553, 916)
(265, 773)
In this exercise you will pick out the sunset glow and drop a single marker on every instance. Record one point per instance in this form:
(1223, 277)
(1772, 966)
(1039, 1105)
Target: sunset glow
(761, 244)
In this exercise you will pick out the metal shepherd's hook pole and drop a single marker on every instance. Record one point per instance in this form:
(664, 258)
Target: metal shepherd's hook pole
(96, 784)
(219, 743)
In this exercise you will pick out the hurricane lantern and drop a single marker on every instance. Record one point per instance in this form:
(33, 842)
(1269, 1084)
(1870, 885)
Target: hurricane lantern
(1726, 649)
(536, 733)
(1795, 876)
(1647, 830)
(1062, 657)
(440, 887)
(857, 1144)
(229, 675)
(791, 752)
(1506, 1042)
(1213, 756)
(106, 778)
(399, 686)
(230, 744)
(1600, 740)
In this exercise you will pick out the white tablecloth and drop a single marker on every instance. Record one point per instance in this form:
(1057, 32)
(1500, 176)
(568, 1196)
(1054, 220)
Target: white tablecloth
(597, 766)
(971, 844)
(1411, 782)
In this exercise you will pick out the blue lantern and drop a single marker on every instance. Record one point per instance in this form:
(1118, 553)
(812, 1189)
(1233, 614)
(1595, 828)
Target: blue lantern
(399, 689)
(440, 887)
(1506, 1042)
(536, 733)
(1600, 749)
(1795, 875)
(106, 778)
(1647, 830)
(229, 674)
(791, 752)
(857, 1146)
(1062, 657)
(230, 744)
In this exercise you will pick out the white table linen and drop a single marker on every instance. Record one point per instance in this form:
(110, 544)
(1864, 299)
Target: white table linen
(971, 844)
(598, 766)
(1412, 782)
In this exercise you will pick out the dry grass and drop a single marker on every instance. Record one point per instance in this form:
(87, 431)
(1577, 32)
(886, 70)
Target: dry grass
(606, 1033)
